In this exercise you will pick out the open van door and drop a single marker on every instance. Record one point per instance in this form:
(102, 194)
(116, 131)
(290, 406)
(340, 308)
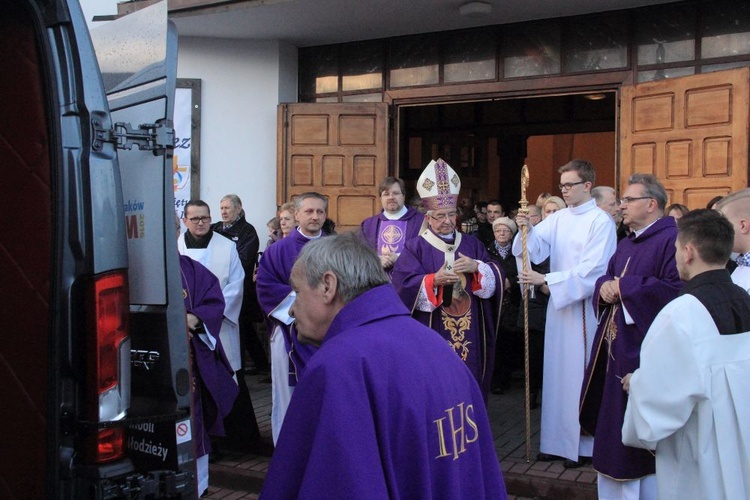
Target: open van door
(90, 280)
(691, 132)
(137, 56)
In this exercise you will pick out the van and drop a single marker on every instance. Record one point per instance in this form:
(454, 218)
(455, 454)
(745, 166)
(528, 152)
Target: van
(95, 382)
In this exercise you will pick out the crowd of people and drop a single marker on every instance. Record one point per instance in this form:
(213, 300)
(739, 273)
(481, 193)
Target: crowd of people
(386, 343)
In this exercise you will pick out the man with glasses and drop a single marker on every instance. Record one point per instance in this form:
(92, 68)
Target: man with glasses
(394, 225)
(447, 280)
(640, 280)
(579, 241)
(219, 254)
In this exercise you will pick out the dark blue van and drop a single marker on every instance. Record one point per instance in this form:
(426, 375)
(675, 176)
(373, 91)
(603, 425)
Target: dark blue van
(94, 361)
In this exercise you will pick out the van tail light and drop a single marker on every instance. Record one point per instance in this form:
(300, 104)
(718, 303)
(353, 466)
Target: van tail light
(108, 377)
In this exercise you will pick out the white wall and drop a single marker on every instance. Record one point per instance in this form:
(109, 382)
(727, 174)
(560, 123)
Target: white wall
(242, 83)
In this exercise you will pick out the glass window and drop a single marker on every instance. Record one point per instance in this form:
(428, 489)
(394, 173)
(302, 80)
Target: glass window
(531, 50)
(362, 66)
(327, 99)
(319, 70)
(726, 30)
(709, 68)
(596, 43)
(661, 74)
(665, 34)
(469, 56)
(377, 97)
(414, 61)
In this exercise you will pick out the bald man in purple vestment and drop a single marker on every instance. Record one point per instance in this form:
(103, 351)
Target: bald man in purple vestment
(641, 279)
(385, 409)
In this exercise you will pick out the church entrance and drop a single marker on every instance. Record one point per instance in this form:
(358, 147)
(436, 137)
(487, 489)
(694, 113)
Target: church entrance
(488, 141)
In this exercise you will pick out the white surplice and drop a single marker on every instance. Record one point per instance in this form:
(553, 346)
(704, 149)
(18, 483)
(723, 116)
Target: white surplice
(579, 242)
(222, 259)
(741, 277)
(690, 400)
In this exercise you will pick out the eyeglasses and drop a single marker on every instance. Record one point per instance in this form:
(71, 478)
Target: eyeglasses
(197, 220)
(442, 217)
(568, 185)
(628, 199)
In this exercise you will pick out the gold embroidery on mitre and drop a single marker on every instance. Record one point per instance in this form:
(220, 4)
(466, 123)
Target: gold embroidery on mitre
(428, 184)
(455, 180)
(457, 327)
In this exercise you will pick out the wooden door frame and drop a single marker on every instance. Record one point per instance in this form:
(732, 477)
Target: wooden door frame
(509, 89)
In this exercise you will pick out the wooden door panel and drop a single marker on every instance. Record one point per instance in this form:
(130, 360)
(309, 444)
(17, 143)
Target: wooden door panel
(691, 132)
(338, 150)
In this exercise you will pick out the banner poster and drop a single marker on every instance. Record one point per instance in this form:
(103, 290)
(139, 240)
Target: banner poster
(181, 161)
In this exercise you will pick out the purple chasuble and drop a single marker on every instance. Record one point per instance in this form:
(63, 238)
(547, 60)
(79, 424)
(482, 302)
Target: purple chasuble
(469, 324)
(381, 232)
(648, 281)
(272, 286)
(214, 390)
(385, 410)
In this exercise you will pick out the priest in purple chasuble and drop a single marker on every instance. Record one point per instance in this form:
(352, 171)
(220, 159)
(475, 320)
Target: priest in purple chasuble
(447, 279)
(288, 355)
(213, 386)
(385, 408)
(640, 280)
(394, 225)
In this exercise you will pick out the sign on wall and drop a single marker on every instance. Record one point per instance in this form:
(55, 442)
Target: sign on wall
(186, 159)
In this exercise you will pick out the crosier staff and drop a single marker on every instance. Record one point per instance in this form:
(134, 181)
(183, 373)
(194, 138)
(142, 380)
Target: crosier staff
(524, 210)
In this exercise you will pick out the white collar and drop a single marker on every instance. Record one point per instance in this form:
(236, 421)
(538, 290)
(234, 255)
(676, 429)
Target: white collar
(642, 230)
(395, 216)
(320, 233)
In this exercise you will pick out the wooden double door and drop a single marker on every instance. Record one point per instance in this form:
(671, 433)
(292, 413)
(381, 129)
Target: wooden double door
(691, 132)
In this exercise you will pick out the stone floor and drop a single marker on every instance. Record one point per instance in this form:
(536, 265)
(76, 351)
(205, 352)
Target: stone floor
(239, 476)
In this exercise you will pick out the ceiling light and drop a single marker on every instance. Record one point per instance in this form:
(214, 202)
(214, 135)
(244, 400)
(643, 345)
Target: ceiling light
(595, 97)
(475, 9)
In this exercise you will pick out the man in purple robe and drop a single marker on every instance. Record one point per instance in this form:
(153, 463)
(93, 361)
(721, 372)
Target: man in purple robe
(214, 389)
(395, 225)
(385, 409)
(641, 278)
(447, 279)
(288, 355)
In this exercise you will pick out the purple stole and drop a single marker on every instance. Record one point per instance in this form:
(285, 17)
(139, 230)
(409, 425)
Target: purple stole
(272, 286)
(648, 280)
(391, 236)
(469, 323)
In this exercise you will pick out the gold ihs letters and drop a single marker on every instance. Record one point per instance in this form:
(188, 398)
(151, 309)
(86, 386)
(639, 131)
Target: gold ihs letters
(458, 418)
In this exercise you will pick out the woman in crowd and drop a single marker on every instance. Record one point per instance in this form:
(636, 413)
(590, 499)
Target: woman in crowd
(509, 348)
(552, 205)
(676, 210)
(286, 219)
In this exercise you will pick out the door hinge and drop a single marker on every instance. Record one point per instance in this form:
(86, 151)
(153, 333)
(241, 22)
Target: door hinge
(156, 137)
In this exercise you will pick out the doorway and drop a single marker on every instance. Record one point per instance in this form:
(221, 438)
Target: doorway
(488, 141)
